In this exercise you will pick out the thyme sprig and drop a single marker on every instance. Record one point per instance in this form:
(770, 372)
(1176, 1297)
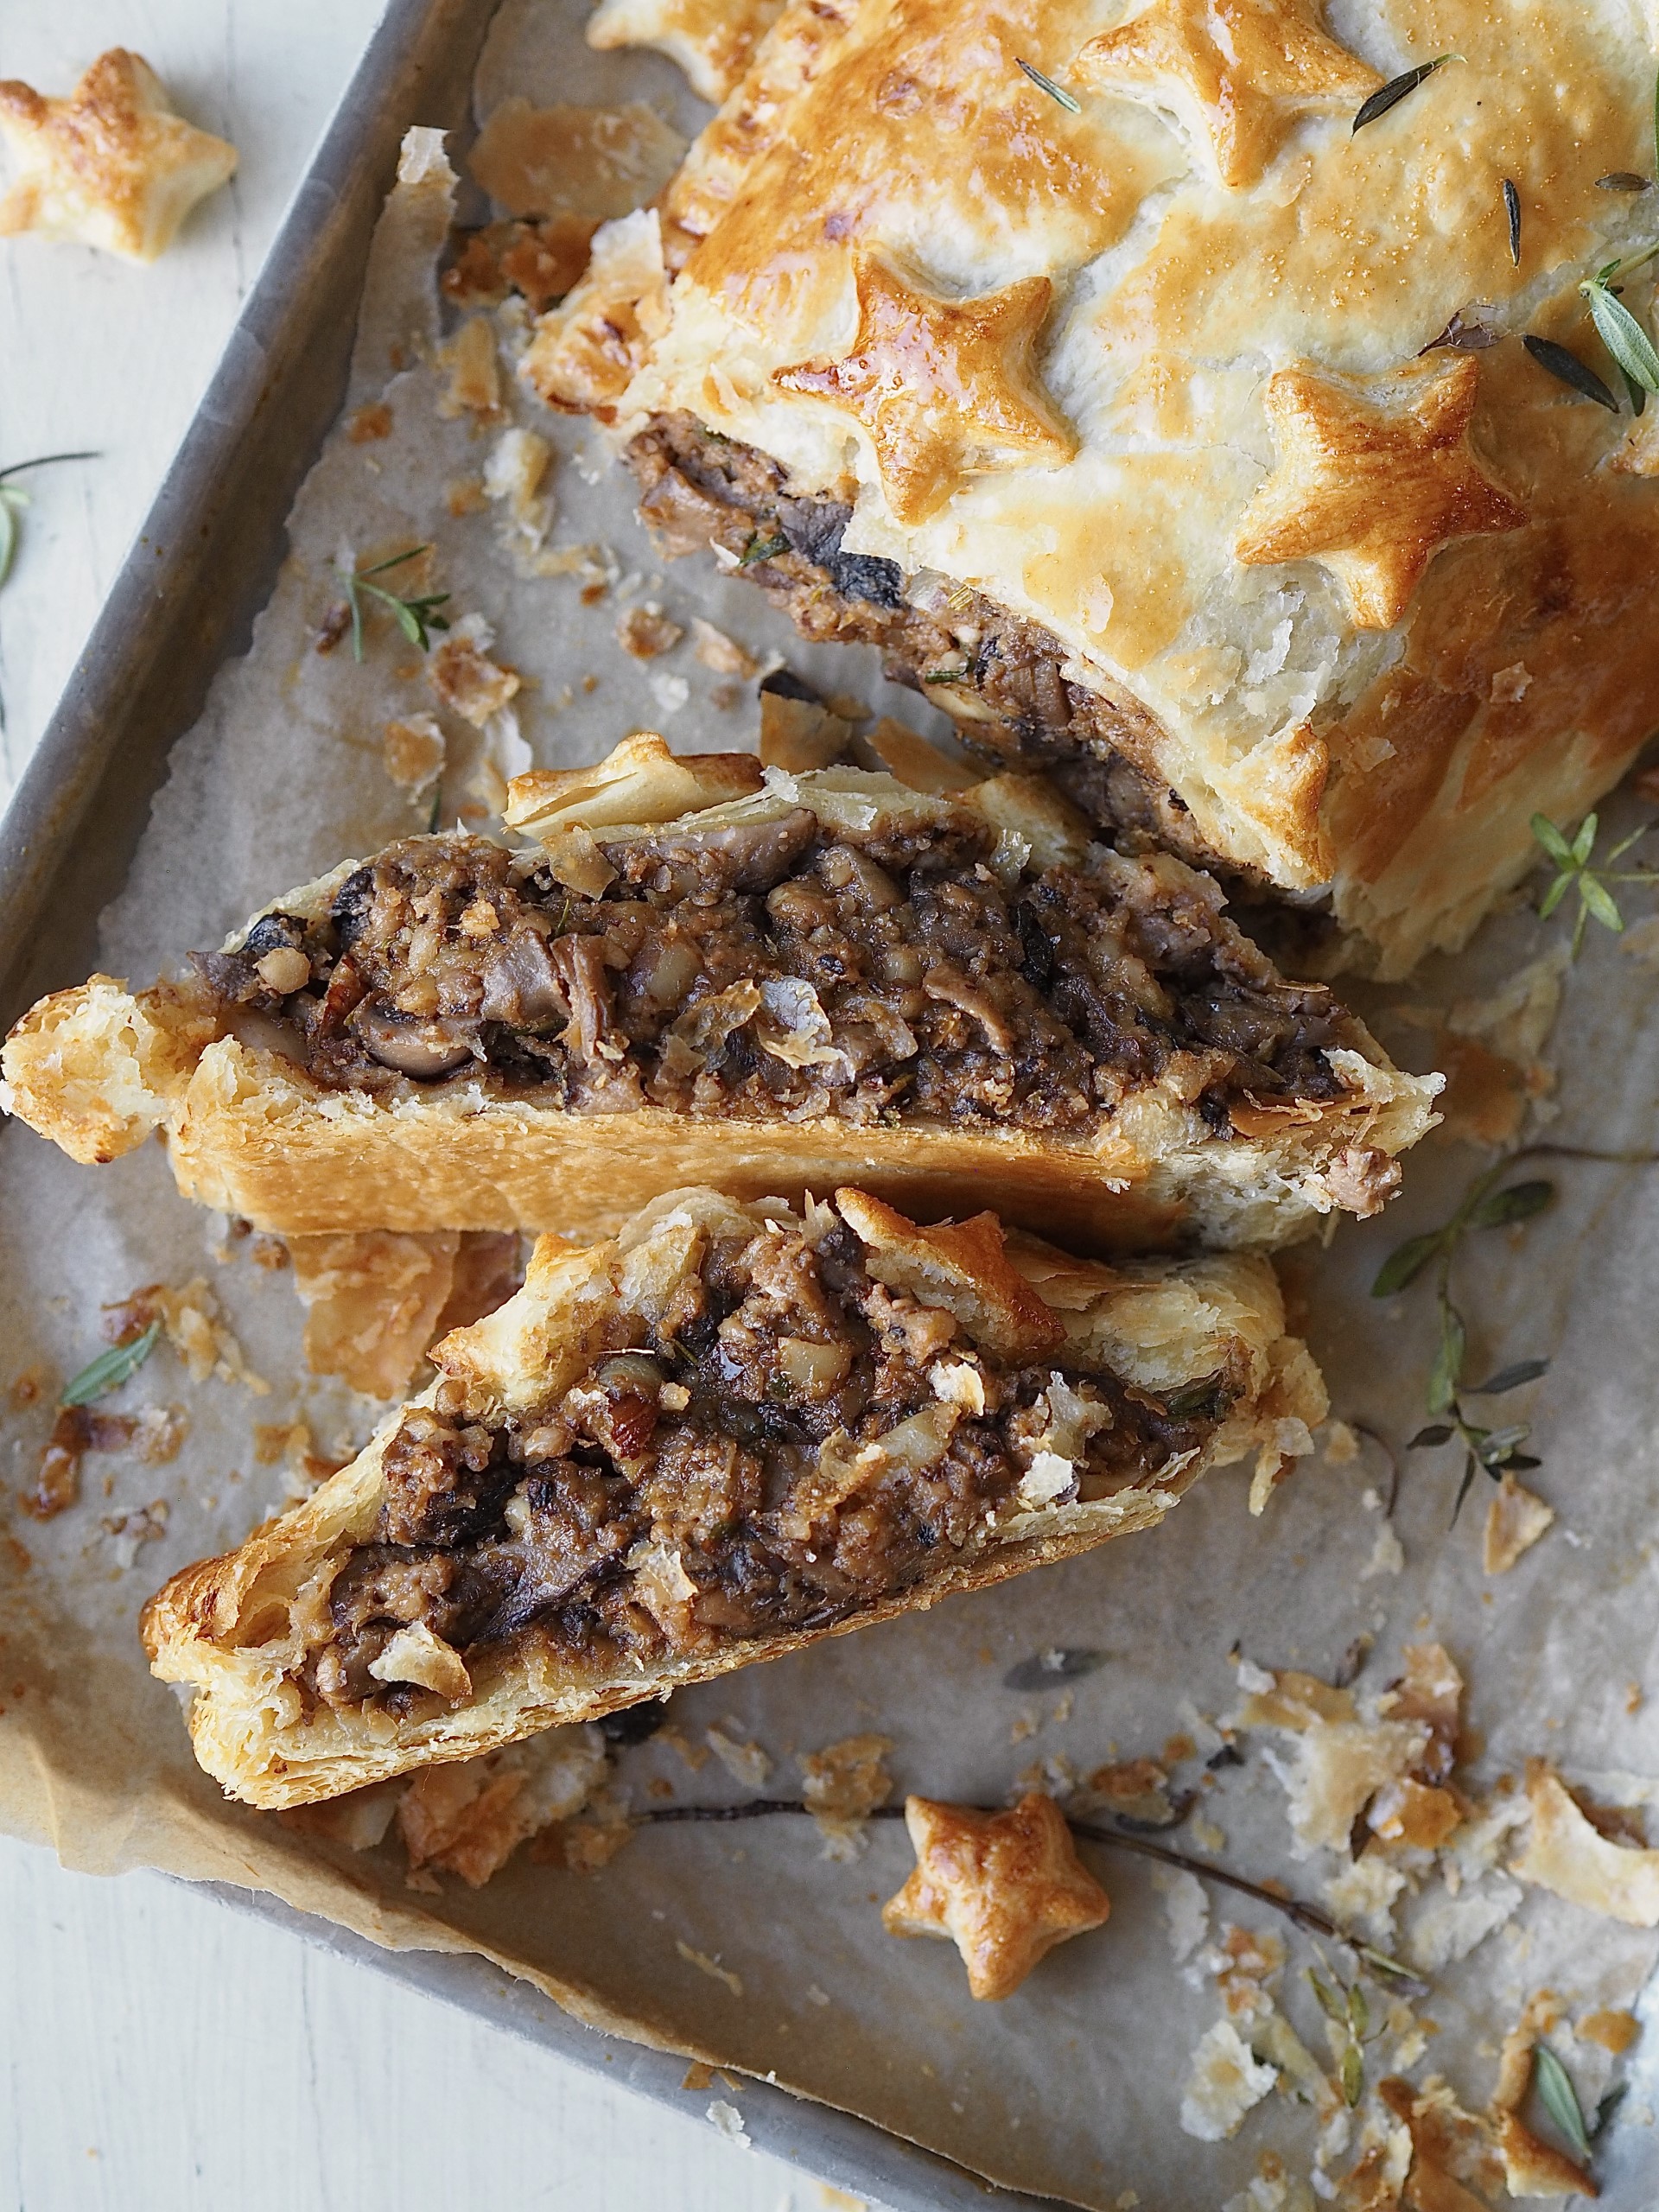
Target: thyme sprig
(14, 499)
(1484, 1205)
(1309, 1917)
(1572, 858)
(1620, 333)
(762, 549)
(417, 618)
(1346, 2005)
(1560, 2100)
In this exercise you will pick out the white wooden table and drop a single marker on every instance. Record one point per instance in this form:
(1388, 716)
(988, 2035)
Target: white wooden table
(157, 2052)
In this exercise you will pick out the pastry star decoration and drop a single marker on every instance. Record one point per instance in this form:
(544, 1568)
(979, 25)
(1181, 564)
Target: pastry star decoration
(1236, 73)
(1005, 1887)
(1372, 488)
(944, 387)
(111, 166)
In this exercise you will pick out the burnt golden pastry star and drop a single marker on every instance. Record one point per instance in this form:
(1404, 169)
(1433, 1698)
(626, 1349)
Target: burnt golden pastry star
(1004, 1887)
(944, 387)
(111, 166)
(1372, 488)
(1236, 73)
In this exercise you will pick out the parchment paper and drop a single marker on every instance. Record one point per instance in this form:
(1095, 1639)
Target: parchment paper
(1073, 2086)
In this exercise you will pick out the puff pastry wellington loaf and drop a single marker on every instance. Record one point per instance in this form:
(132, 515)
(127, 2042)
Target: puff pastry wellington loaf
(699, 969)
(732, 1430)
(1169, 425)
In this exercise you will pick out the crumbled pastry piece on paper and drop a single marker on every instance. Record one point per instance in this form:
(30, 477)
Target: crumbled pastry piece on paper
(513, 476)
(746, 1762)
(413, 752)
(465, 678)
(474, 386)
(728, 2122)
(711, 40)
(539, 260)
(190, 1320)
(1515, 1520)
(1613, 2029)
(842, 1785)
(715, 650)
(1340, 1760)
(111, 166)
(1565, 1853)
(469, 1818)
(1004, 1887)
(1224, 2080)
(1136, 1789)
(645, 631)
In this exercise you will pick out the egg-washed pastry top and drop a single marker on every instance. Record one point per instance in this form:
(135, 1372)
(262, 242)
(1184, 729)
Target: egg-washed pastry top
(1174, 417)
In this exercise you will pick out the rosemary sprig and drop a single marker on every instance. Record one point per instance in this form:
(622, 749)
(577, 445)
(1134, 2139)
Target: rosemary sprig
(14, 499)
(1391, 94)
(1574, 873)
(1048, 85)
(112, 1369)
(416, 617)
(1484, 1205)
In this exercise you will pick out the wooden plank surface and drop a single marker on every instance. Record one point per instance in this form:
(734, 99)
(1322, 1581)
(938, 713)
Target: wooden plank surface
(158, 2050)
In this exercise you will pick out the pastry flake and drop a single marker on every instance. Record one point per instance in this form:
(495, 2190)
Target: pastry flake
(944, 388)
(1372, 487)
(1239, 73)
(111, 166)
(1566, 1853)
(1005, 1888)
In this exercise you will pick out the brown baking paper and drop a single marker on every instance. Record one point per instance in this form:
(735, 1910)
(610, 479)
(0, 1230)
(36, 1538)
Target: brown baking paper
(1072, 2086)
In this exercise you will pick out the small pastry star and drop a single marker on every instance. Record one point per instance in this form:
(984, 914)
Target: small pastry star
(111, 166)
(943, 387)
(1236, 73)
(1372, 488)
(1005, 1887)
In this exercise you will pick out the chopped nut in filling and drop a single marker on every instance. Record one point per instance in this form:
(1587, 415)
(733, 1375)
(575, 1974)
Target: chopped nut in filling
(785, 966)
(789, 1443)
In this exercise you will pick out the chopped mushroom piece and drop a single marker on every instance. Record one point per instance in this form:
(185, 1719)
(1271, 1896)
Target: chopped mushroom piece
(1004, 1887)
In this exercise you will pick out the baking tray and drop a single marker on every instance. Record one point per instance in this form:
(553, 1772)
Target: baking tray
(198, 573)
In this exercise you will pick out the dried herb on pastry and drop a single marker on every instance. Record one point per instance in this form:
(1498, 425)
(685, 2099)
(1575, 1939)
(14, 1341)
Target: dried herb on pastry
(1138, 422)
(701, 969)
(732, 1430)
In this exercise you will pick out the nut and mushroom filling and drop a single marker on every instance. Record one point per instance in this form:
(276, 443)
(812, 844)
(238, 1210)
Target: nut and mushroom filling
(783, 967)
(789, 1443)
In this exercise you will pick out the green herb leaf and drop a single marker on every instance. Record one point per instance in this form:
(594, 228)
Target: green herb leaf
(1585, 843)
(1637, 398)
(1552, 840)
(1599, 900)
(1567, 368)
(1055, 92)
(1606, 2110)
(1512, 209)
(1353, 2074)
(1623, 336)
(1448, 1361)
(1498, 1443)
(1406, 1263)
(1623, 180)
(436, 809)
(942, 675)
(1509, 1378)
(392, 561)
(1329, 2003)
(761, 549)
(1559, 2098)
(1391, 94)
(1520, 1202)
(112, 1369)
(1425, 1440)
(1469, 1468)
(1359, 2012)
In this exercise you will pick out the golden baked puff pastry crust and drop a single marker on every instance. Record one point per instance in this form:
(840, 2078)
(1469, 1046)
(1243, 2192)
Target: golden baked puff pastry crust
(728, 1432)
(699, 967)
(1122, 413)
(111, 166)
